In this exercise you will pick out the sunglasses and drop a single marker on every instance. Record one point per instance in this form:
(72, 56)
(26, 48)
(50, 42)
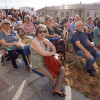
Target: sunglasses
(7, 23)
(43, 31)
(50, 20)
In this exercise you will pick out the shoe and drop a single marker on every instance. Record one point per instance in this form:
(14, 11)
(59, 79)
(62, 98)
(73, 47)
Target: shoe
(14, 66)
(8, 59)
(92, 69)
(27, 68)
(89, 72)
(2, 59)
(59, 93)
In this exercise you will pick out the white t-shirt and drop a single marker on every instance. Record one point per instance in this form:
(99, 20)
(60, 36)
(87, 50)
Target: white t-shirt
(33, 13)
(14, 24)
(19, 22)
(41, 19)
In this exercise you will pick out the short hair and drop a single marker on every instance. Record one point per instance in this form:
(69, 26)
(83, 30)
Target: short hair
(5, 21)
(46, 18)
(89, 18)
(77, 23)
(27, 17)
(38, 27)
(98, 24)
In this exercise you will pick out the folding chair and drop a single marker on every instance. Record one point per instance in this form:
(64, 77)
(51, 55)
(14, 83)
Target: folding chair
(27, 52)
(77, 59)
(3, 52)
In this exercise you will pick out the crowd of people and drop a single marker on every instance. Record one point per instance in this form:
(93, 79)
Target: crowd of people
(48, 37)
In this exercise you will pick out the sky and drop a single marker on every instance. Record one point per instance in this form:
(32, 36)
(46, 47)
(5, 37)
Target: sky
(37, 4)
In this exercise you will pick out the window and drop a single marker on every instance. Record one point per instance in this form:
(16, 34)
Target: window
(56, 12)
(62, 14)
(76, 12)
(43, 13)
(88, 13)
(95, 14)
(67, 13)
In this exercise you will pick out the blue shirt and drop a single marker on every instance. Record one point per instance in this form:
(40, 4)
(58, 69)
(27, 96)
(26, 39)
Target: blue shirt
(79, 36)
(71, 27)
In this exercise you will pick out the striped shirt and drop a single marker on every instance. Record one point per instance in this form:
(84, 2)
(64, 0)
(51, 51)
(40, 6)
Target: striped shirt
(8, 38)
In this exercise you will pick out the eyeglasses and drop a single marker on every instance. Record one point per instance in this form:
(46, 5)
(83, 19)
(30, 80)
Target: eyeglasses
(7, 23)
(43, 31)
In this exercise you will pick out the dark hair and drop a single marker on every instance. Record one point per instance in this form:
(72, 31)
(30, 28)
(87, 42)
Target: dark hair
(98, 24)
(89, 18)
(38, 27)
(35, 17)
(46, 18)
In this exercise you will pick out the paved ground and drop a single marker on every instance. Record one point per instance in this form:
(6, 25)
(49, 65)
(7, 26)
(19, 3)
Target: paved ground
(18, 84)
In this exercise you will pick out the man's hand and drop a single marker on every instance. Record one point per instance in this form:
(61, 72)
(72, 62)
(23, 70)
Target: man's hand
(87, 54)
(96, 49)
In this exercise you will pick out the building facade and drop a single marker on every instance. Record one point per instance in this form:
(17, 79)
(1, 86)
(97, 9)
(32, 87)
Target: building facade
(84, 10)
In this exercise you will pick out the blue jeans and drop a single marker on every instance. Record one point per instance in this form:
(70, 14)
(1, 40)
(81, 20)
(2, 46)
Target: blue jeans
(90, 61)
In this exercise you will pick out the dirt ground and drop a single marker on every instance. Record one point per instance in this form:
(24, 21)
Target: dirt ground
(74, 77)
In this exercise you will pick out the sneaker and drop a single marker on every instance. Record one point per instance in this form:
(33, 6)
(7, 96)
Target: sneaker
(89, 72)
(14, 66)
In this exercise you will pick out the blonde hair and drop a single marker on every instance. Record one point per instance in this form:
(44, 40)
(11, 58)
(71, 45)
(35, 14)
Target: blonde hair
(5, 21)
(27, 17)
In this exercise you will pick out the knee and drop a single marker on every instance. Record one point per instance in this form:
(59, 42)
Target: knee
(50, 77)
(91, 58)
(14, 54)
(62, 70)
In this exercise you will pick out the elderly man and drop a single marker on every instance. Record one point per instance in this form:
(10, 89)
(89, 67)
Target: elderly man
(84, 48)
(72, 25)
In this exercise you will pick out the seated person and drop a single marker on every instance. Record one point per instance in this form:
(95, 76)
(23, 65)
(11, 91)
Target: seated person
(55, 38)
(38, 51)
(0, 24)
(98, 44)
(72, 25)
(90, 26)
(84, 48)
(28, 26)
(19, 24)
(36, 22)
(96, 33)
(11, 40)
(14, 24)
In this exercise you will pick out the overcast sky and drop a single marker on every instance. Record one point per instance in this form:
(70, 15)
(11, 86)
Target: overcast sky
(37, 4)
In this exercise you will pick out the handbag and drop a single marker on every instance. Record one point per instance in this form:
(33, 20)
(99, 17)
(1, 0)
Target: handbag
(52, 38)
(53, 64)
(10, 48)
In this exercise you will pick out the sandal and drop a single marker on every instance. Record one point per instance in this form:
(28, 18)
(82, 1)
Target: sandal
(60, 93)
(27, 68)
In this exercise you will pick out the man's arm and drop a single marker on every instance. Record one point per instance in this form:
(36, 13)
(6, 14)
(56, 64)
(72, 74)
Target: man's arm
(91, 45)
(79, 45)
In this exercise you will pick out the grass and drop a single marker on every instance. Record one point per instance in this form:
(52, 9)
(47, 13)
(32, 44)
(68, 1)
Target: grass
(88, 86)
